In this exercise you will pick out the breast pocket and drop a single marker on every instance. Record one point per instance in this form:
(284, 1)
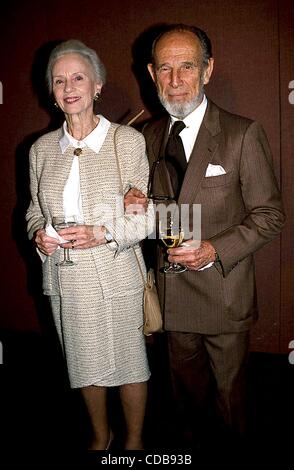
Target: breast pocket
(215, 181)
(220, 198)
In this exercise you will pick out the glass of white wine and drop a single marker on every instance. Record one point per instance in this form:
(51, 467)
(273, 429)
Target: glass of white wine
(172, 235)
(59, 223)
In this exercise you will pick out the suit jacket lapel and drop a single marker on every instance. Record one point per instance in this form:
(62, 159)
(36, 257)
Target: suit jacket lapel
(202, 154)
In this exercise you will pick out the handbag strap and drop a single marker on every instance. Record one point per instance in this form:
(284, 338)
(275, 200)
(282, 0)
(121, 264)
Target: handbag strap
(122, 192)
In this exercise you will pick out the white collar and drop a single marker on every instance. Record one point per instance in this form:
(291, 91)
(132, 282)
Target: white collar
(94, 140)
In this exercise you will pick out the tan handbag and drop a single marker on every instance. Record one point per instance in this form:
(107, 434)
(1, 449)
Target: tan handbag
(152, 312)
(151, 306)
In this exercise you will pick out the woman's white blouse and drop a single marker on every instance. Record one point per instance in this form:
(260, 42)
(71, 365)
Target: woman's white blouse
(72, 198)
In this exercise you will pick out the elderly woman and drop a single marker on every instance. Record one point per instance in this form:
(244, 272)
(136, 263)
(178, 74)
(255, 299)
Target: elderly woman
(96, 298)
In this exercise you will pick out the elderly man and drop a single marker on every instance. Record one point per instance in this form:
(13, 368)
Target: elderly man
(228, 171)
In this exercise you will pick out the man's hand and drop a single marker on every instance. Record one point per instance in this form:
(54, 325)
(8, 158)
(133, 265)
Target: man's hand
(135, 202)
(193, 254)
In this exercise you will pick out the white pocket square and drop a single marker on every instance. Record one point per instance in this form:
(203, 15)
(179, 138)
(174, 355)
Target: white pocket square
(214, 170)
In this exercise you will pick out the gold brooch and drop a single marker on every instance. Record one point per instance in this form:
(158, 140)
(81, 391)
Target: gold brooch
(78, 151)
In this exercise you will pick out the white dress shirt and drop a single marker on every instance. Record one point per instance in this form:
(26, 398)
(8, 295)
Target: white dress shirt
(192, 122)
(72, 198)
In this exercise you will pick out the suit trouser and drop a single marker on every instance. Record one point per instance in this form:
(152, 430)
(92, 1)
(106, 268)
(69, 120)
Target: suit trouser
(209, 374)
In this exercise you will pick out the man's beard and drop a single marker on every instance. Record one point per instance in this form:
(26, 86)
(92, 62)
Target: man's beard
(181, 110)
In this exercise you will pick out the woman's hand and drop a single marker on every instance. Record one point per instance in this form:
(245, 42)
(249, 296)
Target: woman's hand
(83, 236)
(47, 245)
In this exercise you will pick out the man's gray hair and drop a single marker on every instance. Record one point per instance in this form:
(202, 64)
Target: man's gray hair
(74, 46)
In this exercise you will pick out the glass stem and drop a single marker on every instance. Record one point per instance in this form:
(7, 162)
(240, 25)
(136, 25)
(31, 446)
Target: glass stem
(66, 254)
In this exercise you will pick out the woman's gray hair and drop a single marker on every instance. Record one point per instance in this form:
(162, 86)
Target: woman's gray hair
(74, 46)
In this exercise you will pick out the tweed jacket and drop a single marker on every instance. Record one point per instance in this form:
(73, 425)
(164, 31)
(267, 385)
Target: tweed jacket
(241, 211)
(117, 269)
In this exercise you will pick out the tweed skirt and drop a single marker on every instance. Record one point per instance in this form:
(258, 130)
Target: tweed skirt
(102, 339)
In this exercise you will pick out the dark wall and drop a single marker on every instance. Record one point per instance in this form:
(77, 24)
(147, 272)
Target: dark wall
(253, 43)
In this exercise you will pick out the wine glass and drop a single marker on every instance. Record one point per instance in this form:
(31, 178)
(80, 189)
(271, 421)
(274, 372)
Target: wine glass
(58, 224)
(172, 235)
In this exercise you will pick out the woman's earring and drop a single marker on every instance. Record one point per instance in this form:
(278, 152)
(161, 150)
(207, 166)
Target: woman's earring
(56, 105)
(97, 96)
